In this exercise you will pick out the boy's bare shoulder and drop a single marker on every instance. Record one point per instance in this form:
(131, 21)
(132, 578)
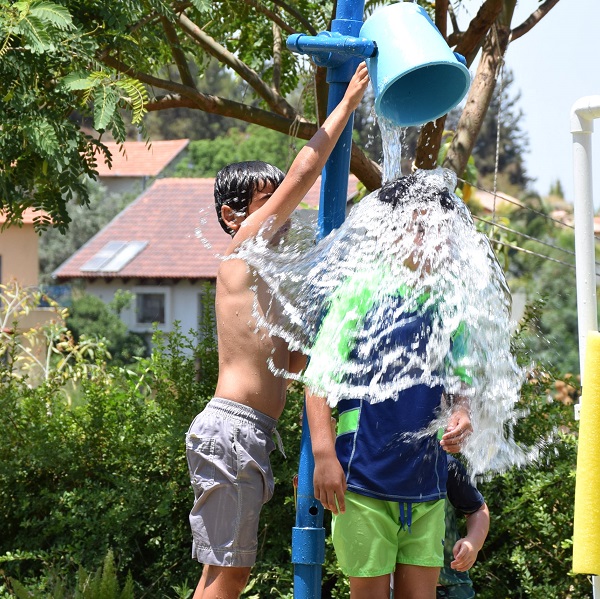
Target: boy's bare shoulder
(233, 274)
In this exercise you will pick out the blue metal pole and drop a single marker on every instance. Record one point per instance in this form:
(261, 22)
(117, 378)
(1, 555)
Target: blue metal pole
(308, 536)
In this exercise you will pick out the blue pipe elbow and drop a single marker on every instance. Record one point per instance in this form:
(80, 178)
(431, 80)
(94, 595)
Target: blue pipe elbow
(331, 49)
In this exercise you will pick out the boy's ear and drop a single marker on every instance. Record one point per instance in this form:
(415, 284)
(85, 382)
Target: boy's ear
(231, 218)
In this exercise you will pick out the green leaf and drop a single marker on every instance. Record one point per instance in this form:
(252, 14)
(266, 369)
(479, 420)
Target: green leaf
(137, 96)
(105, 103)
(202, 5)
(49, 12)
(37, 37)
(78, 81)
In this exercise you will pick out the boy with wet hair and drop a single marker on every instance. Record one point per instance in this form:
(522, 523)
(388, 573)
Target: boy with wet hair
(236, 183)
(382, 477)
(229, 442)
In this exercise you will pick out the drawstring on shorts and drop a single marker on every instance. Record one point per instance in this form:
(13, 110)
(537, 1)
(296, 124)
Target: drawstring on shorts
(405, 515)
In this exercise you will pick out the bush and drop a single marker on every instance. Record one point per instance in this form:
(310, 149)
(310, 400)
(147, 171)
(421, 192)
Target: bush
(90, 316)
(528, 552)
(108, 473)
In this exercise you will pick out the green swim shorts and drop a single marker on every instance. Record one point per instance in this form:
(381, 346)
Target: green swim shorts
(369, 539)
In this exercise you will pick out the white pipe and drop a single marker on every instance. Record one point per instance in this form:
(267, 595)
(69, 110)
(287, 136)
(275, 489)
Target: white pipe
(583, 113)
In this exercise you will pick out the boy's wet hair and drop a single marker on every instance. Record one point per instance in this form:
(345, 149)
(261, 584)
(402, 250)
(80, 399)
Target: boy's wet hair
(236, 183)
(410, 188)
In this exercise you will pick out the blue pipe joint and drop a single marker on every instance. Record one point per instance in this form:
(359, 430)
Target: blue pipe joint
(331, 49)
(308, 546)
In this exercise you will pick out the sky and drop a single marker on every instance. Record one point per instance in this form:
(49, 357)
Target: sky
(554, 64)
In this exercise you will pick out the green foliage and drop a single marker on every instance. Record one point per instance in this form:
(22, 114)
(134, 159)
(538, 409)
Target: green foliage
(89, 317)
(101, 585)
(513, 140)
(528, 552)
(45, 351)
(46, 158)
(553, 338)
(206, 157)
(109, 61)
(117, 478)
(79, 479)
(556, 189)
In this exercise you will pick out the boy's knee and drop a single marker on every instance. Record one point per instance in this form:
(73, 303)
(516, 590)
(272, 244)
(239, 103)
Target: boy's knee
(220, 581)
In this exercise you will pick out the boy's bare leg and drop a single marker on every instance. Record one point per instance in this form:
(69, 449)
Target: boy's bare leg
(415, 582)
(371, 587)
(218, 582)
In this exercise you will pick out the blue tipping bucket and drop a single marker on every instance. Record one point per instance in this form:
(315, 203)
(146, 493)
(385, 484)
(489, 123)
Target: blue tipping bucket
(415, 75)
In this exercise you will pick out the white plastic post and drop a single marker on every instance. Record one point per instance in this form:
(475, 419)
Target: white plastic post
(583, 113)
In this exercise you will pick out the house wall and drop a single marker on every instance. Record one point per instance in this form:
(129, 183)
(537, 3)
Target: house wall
(182, 302)
(134, 185)
(19, 255)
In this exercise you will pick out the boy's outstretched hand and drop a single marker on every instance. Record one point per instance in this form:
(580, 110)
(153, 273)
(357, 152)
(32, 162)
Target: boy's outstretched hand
(357, 86)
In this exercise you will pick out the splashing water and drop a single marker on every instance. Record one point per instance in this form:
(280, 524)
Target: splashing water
(405, 292)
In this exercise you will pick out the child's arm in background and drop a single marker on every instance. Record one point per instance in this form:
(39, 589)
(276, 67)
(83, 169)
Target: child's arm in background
(466, 549)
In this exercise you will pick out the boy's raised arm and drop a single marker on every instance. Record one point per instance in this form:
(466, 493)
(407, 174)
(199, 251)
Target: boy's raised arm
(307, 165)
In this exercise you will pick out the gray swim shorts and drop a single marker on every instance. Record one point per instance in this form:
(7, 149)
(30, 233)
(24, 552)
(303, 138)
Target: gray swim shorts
(228, 446)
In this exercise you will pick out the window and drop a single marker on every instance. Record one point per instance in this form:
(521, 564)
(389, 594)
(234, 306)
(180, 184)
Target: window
(150, 307)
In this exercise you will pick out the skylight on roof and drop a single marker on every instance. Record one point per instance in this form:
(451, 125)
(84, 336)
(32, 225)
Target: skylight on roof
(114, 256)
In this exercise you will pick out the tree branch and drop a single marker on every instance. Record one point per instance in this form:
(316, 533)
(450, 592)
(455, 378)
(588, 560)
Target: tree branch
(212, 47)
(237, 110)
(299, 17)
(453, 20)
(472, 38)
(532, 20)
(441, 17)
(277, 49)
(478, 100)
(165, 84)
(178, 54)
(271, 15)
(364, 168)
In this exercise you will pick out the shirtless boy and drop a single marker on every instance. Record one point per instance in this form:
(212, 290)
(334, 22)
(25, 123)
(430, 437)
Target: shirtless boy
(229, 442)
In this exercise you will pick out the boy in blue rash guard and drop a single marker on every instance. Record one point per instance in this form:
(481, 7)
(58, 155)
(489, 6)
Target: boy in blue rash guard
(460, 553)
(383, 479)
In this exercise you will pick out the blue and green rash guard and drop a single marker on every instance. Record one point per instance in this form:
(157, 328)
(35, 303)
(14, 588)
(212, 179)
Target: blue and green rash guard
(381, 446)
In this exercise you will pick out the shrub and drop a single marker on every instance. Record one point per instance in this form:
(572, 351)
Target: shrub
(107, 473)
(89, 316)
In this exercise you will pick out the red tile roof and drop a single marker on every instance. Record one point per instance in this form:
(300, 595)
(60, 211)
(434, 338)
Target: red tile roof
(140, 159)
(166, 216)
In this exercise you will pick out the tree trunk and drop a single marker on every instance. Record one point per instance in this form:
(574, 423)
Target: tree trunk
(430, 137)
(478, 100)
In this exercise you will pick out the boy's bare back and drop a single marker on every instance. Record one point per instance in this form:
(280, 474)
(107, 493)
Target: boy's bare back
(244, 350)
